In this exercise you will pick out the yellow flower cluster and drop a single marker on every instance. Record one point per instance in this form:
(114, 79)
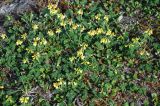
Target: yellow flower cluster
(81, 50)
(97, 17)
(24, 99)
(75, 26)
(24, 36)
(63, 23)
(61, 16)
(92, 32)
(35, 27)
(58, 83)
(106, 18)
(1, 87)
(99, 31)
(25, 60)
(53, 9)
(96, 32)
(43, 41)
(149, 32)
(50, 32)
(71, 59)
(144, 52)
(109, 32)
(3, 36)
(78, 70)
(35, 41)
(135, 40)
(19, 42)
(36, 56)
(29, 50)
(80, 12)
(58, 30)
(105, 40)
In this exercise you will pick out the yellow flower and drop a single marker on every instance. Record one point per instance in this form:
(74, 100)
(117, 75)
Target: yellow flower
(92, 32)
(80, 54)
(24, 36)
(70, 22)
(3, 36)
(52, 9)
(71, 59)
(29, 50)
(149, 32)
(80, 12)
(106, 18)
(35, 27)
(44, 41)
(25, 60)
(99, 31)
(135, 40)
(82, 29)
(50, 33)
(97, 17)
(86, 63)
(52, 6)
(61, 16)
(24, 99)
(84, 46)
(58, 83)
(78, 70)
(58, 30)
(104, 40)
(109, 32)
(36, 56)
(142, 52)
(19, 42)
(35, 41)
(63, 23)
(1, 87)
(75, 26)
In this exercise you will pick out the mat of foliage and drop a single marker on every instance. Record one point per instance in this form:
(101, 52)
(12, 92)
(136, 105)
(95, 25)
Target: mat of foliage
(82, 56)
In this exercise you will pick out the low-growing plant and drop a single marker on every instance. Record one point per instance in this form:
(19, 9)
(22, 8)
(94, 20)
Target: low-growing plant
(76, 57)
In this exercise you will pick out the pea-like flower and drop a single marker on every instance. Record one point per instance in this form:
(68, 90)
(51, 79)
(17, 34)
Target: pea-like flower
(24, 99)
(3, 36)
(106, 18)
(92, 32)
(50, 32)
(99, 30)
(19, 42)
(105, 40)
(58, 30)
(35, 27)
(36, 56)
(80, 12)
(149, 32)
(1, 87)
(58, 83)
(24, 36)
(75, 26)
(25, 60)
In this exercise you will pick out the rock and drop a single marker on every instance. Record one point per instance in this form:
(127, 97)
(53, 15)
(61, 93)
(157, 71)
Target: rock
(17, 6)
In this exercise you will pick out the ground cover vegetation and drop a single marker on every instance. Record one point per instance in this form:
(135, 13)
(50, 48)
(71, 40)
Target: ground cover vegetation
(82, 53)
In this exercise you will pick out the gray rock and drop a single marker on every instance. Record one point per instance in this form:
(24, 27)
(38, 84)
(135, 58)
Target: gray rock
(17, 6)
